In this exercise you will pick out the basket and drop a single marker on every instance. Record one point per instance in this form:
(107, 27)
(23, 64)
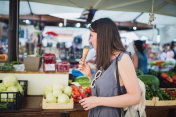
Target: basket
(10, 100)
(46, 105)
(32, 63)
(13, 100)
(63, 66)
(24, 84)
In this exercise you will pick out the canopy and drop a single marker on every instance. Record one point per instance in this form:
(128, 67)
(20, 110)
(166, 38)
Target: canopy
(165, 7)
(53, 9)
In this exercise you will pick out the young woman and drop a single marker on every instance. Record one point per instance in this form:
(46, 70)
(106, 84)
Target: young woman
(141, 60)
(105, 101)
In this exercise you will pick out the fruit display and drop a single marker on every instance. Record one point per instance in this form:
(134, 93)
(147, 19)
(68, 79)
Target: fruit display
(168, 79)
(161, 63)
(80, 92)
(150, 79)
(171, 92)
(57, 93)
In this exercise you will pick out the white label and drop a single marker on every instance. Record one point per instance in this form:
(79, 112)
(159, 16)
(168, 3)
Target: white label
(50, 67)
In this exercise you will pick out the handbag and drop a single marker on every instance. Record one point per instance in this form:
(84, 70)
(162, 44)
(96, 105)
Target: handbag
(131, 110)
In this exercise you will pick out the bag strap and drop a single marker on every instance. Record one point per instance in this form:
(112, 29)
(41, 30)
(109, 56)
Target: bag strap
(118, 82)
(117, 76)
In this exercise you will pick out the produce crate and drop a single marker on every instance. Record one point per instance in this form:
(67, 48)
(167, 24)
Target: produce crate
(32, 63)
(164, 102)
(150, 102)
(49, 62)
(13, 100)
(46, 105)
(10, 100)
(24, 84)
(63, 66)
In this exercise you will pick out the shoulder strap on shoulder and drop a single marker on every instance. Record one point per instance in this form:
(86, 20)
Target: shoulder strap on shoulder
(121, 54)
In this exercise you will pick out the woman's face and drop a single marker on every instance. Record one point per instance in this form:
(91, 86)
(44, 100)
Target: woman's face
(93, 39)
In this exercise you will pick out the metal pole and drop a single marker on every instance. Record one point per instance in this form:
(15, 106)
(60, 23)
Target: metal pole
(13, 40)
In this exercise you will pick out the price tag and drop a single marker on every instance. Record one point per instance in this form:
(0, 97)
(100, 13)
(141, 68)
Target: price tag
(50, 67)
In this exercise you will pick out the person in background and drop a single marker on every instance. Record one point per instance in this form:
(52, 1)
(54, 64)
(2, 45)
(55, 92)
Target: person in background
(163, 54)
(173, 48)
(105, 100)
(90, 59)
(170, 53)
(130, 49)
(141, 60)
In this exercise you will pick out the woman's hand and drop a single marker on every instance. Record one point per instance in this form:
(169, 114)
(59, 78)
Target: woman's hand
(85, 69)
(89, 102)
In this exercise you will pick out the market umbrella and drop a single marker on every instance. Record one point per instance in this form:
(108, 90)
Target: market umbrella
(40, 10)
(165, 7)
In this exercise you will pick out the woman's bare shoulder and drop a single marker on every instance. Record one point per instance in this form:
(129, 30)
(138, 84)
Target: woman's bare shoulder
(125, 58)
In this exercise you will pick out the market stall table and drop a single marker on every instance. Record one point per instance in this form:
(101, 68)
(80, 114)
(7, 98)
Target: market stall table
(32, 108)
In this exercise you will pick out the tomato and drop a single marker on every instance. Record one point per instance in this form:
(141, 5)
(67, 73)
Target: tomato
(80, 87)
(75, 100)
(164, 75)
(77, 94)
(74, 96)
(174, 78)
(80, 91)
(169, 79)
(76, 89)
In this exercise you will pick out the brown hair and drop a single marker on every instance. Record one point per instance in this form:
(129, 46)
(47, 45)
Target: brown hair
(108, 41)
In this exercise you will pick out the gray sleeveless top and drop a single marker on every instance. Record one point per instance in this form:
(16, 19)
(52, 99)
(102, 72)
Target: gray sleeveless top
(106, 86)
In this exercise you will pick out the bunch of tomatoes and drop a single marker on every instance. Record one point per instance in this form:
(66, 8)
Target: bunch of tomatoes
(80, 92)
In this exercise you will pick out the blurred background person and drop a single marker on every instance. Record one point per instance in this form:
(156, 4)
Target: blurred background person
(170, 53)
(163, 54)
(130, 49)
(141, 60)
(173, 48)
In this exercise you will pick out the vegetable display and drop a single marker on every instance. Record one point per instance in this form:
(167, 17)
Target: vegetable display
(57, 93)
(10, 84)
(150, 79)
(152, 91)
(83, 81)
(80, 92)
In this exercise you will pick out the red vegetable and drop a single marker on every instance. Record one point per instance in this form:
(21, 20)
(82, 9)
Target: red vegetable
(164, 75)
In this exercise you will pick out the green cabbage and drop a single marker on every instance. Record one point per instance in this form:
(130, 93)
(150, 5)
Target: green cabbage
(10, 81)
(2, 87)
(12, 89)
(57, 93)
(48, 89)
(50, 98)
(68, 90)
(63, 99)
(19, 87)
(58, 86)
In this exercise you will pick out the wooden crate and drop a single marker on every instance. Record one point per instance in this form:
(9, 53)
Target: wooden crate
(150, 102)
(164, 102)
(46, 105)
